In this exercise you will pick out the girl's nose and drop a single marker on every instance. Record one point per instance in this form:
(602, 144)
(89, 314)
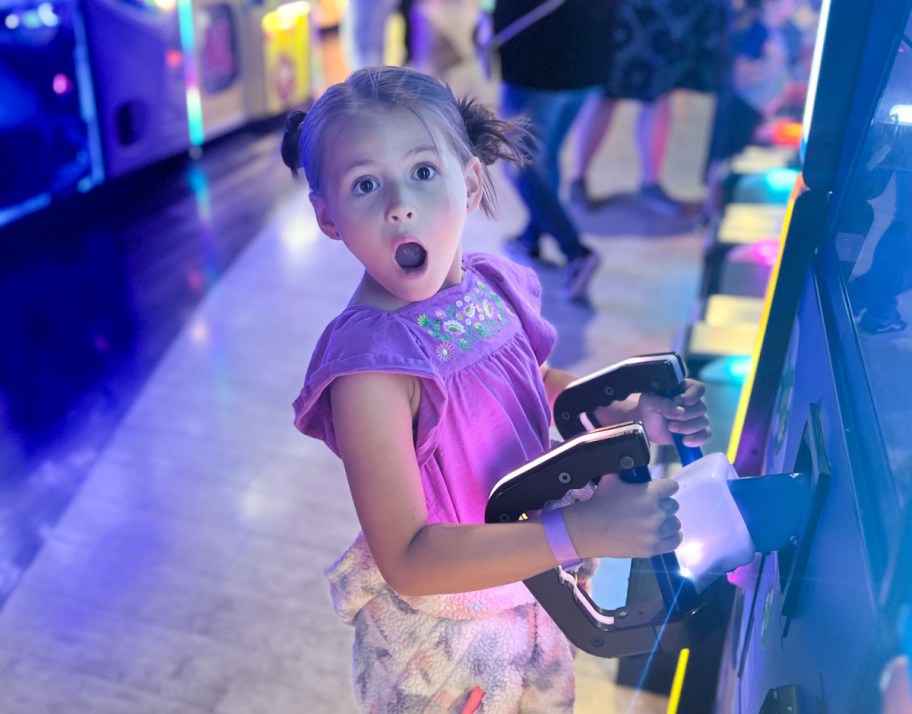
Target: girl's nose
(399, 208)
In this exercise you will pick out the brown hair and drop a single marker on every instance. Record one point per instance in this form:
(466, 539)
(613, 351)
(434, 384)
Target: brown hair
(469, 128)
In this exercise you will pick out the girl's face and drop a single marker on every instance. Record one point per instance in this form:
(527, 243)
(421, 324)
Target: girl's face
(398, 200)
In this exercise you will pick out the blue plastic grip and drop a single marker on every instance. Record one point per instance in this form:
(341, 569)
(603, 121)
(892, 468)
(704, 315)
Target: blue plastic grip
(687, 454)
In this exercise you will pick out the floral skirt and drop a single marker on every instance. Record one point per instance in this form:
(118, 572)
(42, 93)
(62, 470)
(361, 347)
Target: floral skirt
(492, 651)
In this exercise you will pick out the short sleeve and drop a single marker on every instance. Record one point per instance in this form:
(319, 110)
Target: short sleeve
(520, 285)
(362, 341)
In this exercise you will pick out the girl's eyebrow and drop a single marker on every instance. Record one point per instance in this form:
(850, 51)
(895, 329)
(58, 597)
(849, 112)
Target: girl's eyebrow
(360, 163)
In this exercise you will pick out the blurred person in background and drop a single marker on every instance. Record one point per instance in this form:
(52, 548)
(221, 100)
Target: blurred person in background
(553, 57)
(656, 47)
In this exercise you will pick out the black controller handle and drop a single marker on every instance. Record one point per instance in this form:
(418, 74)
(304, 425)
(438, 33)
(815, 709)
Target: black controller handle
(577, 462)
(661, 374)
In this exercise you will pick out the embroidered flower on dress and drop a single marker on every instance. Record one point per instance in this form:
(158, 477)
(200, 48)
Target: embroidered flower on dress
(481, 309)
(453, 327)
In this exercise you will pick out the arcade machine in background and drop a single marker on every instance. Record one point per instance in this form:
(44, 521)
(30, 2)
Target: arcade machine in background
(740, 252)
(211, 38)
(743, 239)
(277, 59)
(138, 69)
(49, 140)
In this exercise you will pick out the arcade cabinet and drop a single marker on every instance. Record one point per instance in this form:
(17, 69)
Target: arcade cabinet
(49, 140)
(139, 74)
(823, 625)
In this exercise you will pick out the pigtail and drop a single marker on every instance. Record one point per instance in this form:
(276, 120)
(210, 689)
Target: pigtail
(492, 139)
(291, 141)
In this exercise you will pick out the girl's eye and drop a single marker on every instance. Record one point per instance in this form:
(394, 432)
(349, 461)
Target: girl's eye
(425, 172)
(365, 185)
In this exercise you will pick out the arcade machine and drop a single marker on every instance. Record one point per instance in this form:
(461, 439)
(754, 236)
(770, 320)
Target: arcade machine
(138, 68)
(819, 618)
(823, 625)
(49, 140)
(277, 57)
(211, 37)
(651, 611)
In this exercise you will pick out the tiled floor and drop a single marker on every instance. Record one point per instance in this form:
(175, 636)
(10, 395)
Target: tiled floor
(186, 574)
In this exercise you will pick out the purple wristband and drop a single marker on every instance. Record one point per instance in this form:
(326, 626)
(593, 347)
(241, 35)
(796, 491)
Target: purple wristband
(559, 539)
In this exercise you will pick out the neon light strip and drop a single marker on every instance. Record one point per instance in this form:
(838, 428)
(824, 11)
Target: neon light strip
(824, 17)
(191, 76)
(87, 104)
(747, 388)
(677, 684)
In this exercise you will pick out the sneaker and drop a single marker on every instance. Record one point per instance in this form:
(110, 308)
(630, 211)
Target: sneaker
(579, 272)
(654, 197)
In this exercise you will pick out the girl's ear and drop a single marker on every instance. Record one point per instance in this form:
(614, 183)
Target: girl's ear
(324, 216)
(474, 184)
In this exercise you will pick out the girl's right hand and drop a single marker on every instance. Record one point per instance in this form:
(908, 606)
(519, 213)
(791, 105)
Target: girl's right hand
(626, 520)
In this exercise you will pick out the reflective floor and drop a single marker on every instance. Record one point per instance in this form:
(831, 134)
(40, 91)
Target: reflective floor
(164, 526)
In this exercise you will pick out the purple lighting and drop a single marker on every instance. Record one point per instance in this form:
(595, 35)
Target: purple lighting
(61, 84)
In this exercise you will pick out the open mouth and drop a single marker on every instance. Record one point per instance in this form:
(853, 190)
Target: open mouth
(410, 256)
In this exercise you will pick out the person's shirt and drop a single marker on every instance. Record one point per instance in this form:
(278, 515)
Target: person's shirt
(565, 50)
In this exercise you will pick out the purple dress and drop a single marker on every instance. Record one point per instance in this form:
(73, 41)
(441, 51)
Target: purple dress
(476, 349)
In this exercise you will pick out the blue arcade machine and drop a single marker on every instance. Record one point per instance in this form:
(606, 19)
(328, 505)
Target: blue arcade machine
(824, 624)
(216, 100)
(815, 610)
(49, 143)
(140, 72)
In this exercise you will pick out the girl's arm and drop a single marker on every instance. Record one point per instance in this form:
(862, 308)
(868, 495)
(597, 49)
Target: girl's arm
(372, 415)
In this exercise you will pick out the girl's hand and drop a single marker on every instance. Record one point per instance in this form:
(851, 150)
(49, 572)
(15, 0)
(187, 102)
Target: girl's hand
(625, 520)
(684, 414)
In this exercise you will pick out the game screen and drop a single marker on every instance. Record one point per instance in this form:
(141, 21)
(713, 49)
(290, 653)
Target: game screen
(873, 241)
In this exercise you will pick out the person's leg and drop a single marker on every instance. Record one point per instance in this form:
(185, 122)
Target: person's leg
(653, 128)
(652, 139)
(887, 278)
(590, 129)
(515, 101)
(550, 115)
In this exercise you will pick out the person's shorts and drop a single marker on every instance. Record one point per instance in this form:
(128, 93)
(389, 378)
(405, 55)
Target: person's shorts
(660, 46)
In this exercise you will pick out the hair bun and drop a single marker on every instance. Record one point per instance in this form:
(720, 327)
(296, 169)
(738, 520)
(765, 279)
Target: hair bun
(291, 140)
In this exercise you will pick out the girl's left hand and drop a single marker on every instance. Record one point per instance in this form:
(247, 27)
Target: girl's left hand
(683, 414)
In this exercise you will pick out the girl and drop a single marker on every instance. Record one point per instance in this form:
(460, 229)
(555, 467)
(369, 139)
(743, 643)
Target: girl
(431, 385)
